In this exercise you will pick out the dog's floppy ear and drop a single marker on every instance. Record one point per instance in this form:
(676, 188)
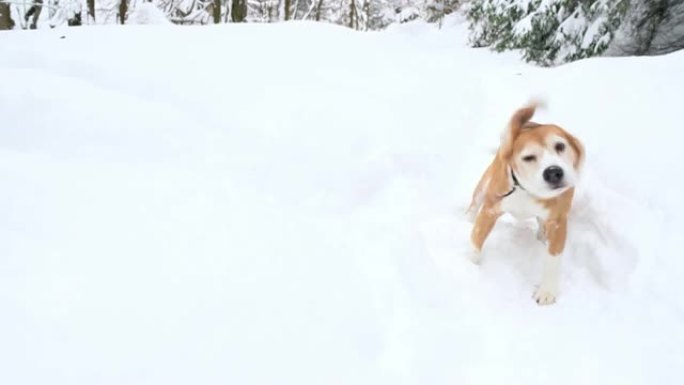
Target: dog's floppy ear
(515, 126)
(577, 145)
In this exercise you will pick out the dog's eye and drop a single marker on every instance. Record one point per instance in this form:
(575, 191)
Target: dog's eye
(560, 147)
(529, 158)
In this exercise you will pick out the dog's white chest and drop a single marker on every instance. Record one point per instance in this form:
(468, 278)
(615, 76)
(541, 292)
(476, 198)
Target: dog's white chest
(523, 206)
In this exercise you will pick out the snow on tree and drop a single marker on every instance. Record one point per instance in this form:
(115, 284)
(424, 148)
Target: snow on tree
(262, 11)
(435, 10)
(147, 13)
(187, 11)
(548, 32)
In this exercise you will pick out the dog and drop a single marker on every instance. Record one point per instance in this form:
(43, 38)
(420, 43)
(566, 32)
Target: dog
(533, 175)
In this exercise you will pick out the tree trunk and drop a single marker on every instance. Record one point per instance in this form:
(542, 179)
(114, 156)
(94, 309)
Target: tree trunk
(34, 11)
(238, 11)
(318, 10)
(6, 21)
(353, 17)
(123, 10)
(217, 11)
(288, 3)
(91, 9)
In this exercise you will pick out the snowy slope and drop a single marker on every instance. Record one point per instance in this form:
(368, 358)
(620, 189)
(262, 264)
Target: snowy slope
(282, 204)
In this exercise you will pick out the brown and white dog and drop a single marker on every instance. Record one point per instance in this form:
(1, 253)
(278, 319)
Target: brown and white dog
(532, 176)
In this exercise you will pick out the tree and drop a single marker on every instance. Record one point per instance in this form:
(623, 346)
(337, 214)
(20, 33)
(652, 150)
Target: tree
(6, 21)
(216, 11)
(238, 11)
(288, 5)
(319, 7)
(34, 11)
(547, 32)
(435, 10)
(91, 10)
(123, 11)
(353, 15)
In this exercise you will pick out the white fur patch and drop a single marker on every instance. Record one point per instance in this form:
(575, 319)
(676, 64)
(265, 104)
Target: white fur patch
(547, 291)
(522, 205)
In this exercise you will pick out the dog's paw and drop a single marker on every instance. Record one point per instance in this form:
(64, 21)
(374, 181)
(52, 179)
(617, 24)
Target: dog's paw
(475, 256)
(545, 295)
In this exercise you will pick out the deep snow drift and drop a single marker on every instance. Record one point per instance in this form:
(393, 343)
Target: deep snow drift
(283, 204)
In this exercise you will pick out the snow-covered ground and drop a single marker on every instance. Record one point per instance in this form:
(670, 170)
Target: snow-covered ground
(283, 204)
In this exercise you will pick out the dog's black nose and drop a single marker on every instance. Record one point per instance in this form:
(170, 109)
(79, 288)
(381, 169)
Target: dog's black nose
(553, 174)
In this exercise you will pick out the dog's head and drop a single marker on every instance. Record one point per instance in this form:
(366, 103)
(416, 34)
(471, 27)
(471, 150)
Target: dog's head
(545, 159)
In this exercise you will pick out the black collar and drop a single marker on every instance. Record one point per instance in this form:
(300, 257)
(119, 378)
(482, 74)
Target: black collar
(516, 184)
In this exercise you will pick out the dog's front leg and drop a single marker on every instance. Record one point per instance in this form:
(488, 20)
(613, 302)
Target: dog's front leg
(556, 230)
(484, 223)
(541, 234)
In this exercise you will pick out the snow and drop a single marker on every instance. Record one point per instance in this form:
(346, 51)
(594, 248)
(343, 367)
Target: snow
(592, 31)
(524, 25)
(147, 13)
(283, 204)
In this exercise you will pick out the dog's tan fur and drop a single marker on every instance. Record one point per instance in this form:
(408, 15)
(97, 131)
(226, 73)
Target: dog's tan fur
(496, 182)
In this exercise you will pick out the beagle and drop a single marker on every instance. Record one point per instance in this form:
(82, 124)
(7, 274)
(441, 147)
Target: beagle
(533, 175)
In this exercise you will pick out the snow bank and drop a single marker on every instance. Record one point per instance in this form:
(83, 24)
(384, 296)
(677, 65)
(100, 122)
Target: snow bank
(288, 210)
